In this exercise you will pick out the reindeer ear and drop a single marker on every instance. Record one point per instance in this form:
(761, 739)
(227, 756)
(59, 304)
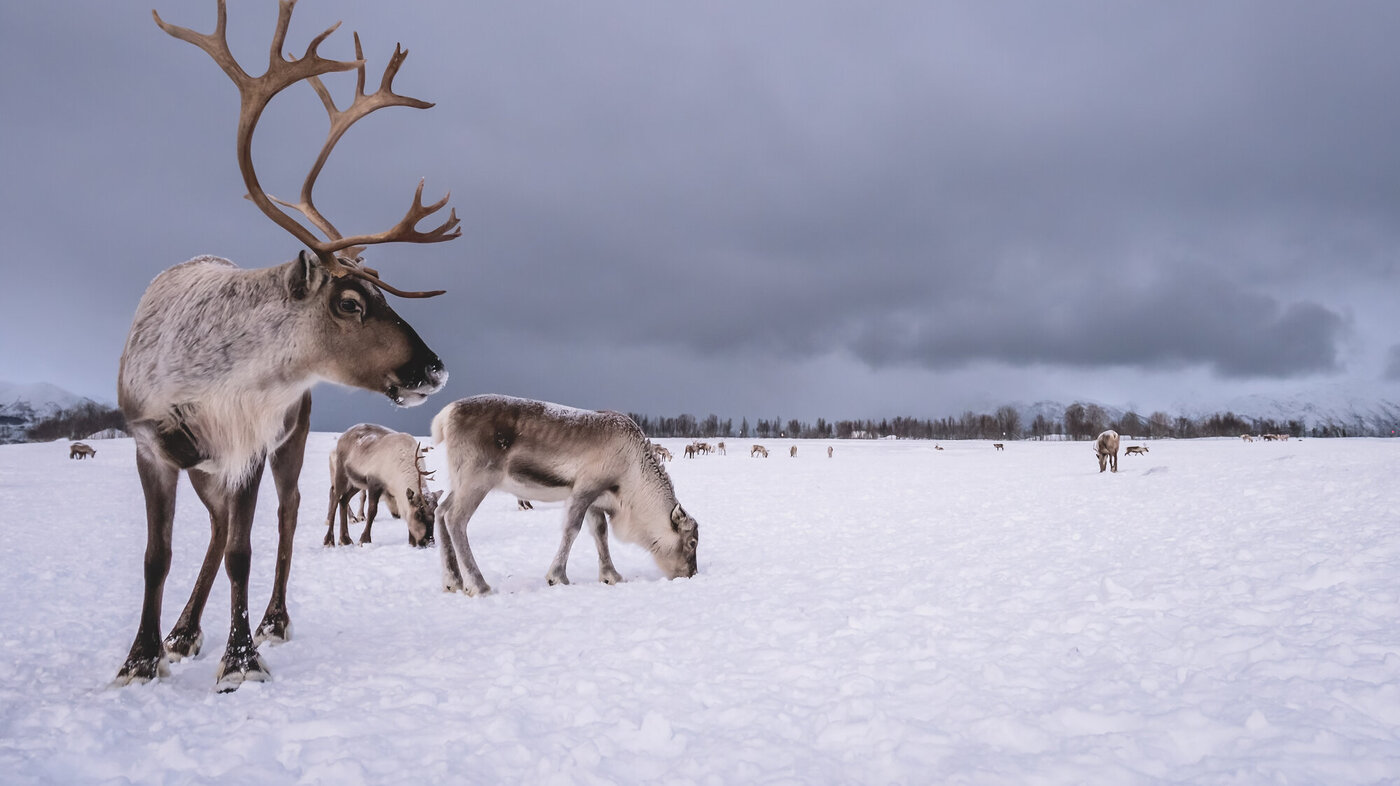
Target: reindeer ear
(305, 275)
(409, 495)
(677, 516)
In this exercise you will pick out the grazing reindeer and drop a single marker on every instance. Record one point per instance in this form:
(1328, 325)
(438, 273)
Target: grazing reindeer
(217, 370)
(386, 463)
(792, 452)
(598, 461)
(758, 450)
(80, 451)
(999, 445)
(1106, 449)
(661, 452)
(1246, 438)
(1135, 450)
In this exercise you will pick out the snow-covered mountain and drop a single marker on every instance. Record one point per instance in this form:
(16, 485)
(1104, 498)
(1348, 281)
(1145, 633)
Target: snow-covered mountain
(23, 405)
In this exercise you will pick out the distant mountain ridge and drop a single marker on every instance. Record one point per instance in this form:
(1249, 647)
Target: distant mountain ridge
(24, 405)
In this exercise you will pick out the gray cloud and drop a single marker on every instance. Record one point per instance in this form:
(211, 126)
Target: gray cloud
(740, 185)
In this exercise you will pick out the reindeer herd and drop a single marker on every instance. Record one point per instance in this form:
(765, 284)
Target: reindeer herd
(215, 380)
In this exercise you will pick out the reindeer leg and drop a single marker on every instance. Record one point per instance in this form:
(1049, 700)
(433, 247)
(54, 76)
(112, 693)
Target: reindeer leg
(146, 660)
(329, 539)
(361, 517)
(573, 522)
(459, 570)
(373, 511)
(345, 518)
(186, 638)
(598, 523)
(241, 661)
(286, 461)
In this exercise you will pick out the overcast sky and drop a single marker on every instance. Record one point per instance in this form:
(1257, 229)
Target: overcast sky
(749, 208)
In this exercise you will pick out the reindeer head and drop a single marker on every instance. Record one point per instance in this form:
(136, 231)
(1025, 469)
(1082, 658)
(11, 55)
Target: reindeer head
(676, 555)
(422, 510)
(356, 336)
(363, 336)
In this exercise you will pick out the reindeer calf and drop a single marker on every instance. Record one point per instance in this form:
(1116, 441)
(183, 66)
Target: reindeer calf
(599, 462)
(380, 462)
(1106, 449)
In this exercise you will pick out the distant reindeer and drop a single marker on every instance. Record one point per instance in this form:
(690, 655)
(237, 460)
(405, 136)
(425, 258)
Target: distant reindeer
(661, 452)
(719, 448)
(381, 463)
(792, 452)
(598, 461)
(829, 451)
(80, 451)
(1246, 438)
(999, 445)
(937, 447)
(218, 367)
(1135, 450)
(1106, 449)
(758, 450)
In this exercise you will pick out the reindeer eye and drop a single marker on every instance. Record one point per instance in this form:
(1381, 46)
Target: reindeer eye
(349, 305)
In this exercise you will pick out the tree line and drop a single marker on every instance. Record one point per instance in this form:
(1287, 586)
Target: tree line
(1079, 421)
(76, 423)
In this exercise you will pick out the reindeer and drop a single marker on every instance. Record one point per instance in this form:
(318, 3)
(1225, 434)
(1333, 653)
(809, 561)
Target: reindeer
(999, 445)
(719, 448)
(81, 450)
(1246, 438)
(758, 450)
(597, 461)
(216, 373)
(1106, 449)
(661, 452)
(829, 451)
(792, 452)
(381, 463)
(1135, 450)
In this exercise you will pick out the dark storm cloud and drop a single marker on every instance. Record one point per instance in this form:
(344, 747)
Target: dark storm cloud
(1235, 333)
(1086, 186)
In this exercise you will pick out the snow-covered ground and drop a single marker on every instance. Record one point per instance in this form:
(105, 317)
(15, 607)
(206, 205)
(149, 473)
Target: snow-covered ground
(1217, 612)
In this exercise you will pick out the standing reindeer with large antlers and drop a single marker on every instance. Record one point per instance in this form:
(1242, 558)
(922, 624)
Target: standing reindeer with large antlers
(216, 375)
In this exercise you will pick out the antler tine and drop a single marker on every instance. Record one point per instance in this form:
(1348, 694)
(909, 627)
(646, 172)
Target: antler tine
(406, 230)
(283, 71)
(255, 93)
(340, 122)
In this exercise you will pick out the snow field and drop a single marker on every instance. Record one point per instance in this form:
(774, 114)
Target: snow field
(1216, 612)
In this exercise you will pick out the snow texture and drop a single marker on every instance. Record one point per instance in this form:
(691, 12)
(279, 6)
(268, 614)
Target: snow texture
(1216, 612)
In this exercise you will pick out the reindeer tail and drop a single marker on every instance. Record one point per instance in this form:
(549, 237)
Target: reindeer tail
(440, 423)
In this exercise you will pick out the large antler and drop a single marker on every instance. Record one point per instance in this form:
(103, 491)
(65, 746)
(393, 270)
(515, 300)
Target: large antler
(256, 92)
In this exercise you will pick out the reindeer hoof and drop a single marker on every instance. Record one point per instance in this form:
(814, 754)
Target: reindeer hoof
(183, 644)
(477, 592)
(346, 541)
(137, 671)
(610, 579)
(234, 672)
(273, 631)
(554, 579)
